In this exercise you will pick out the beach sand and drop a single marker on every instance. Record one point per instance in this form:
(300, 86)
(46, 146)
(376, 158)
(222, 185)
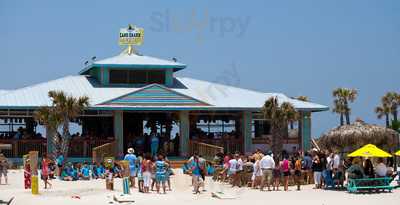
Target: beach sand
(93, 192)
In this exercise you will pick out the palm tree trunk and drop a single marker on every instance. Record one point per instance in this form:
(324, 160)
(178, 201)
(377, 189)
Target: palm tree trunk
(278, 130)
(348, 118)
(341, 119)
(387, 120)
(394, 115)
(52, 142)
(65, 138)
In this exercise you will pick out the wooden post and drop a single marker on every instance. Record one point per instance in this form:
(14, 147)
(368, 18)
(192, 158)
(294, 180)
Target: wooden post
(33, 157)
(184, 132)
(125, 176)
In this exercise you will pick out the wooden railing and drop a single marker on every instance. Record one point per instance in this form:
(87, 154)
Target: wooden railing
(230, 145)
(105, 150)
(78, 147)
(207, 151)
(84, 147)
(268, 140)
(23, 146)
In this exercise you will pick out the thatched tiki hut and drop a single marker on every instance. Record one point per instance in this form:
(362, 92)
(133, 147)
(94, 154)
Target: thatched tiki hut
(349, 137)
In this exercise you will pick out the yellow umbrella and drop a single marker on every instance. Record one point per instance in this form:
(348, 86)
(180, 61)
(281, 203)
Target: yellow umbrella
(397, 153)
(369, 150)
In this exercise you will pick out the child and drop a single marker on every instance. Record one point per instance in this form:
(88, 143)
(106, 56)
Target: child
(100, 171)
(27, 174)
(45, 171)
(147, 172)
(117, 170)
(109, 178)
(3, 168)
(276, 175)
(94, 171)
(297, 173)
(140, 173)
(85, 171)
(74, 172)
(65, 174)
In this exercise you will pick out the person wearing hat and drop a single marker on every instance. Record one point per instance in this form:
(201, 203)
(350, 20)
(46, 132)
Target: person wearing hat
(132, 159)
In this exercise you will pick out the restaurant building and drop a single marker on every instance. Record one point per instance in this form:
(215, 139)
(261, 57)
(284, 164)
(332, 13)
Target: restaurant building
(132, 94)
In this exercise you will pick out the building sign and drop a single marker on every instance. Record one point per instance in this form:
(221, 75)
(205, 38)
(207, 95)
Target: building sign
(131, 36)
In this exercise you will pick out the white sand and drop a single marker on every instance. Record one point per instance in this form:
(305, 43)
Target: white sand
(93, 192)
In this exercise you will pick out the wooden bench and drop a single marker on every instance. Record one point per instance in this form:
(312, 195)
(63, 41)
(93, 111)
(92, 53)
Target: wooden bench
(369, 184)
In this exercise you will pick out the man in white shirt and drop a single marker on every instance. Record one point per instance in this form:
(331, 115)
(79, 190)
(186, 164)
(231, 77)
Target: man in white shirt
(267, 164)
(336, 161)
(233, 169)
(240, 171)
(381, 169)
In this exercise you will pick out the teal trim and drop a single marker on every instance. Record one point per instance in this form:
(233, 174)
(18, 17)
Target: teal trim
(119, 131)
(184, 132)
(246, 130)
(174, 109)
(106, 76)
(174, 68)
(306, 131)
(169, 78)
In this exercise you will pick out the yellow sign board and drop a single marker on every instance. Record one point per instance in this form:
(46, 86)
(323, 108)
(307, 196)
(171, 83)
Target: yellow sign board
(131, 36)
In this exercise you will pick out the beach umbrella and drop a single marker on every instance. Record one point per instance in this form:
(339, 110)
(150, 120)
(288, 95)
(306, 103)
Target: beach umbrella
(369, 150)
(397, 153)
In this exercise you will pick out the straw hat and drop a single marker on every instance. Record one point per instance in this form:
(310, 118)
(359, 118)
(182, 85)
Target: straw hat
(131, 151)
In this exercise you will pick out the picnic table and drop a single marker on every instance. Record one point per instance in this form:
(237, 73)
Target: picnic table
(370, 184)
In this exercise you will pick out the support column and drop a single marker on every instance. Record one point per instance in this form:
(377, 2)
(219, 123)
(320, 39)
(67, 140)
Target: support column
(246, 131)
(119, 132)
(184, 127)
(169, 79)
(306, 131)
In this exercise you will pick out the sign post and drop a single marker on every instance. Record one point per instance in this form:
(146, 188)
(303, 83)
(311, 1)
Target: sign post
(33, 159)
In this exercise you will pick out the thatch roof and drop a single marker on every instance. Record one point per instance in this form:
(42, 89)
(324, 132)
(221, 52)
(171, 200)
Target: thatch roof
(357, 135)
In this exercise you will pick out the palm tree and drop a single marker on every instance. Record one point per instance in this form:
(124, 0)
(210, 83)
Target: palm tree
(344, 96)
(384, 110)
(392, 99)
(68, 108)
(339, 108)
(291, 114)
(278, 116)
(51, 120)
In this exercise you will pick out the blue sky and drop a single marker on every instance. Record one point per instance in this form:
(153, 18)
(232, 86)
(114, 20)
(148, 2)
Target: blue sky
(294, 47)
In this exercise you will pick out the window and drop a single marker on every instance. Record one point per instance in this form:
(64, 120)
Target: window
(118, 76)
(156, 77)
(261, 128)
(137, 76)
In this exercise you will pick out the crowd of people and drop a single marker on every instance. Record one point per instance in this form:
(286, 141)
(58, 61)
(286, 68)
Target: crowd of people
(265, 170)
(152, 172)
(260, 170)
